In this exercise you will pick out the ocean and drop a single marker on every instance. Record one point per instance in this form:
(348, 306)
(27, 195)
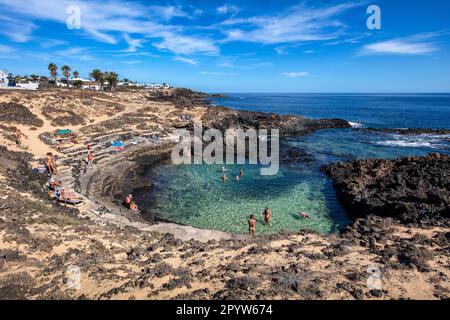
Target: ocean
(194, 195)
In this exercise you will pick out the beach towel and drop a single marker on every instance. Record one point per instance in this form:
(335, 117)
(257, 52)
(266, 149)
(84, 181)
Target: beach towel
(117, 144)
(64, 131)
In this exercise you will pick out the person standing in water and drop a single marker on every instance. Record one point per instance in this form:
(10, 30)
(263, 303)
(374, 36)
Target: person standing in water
(252, 225)
(224, 178)
(236, 178)
(241, 173)
(267, 216)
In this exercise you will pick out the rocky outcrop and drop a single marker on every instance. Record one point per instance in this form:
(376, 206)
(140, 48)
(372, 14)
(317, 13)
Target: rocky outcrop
(224, 118)
(180, 97)
(413, 189)
(406, 132)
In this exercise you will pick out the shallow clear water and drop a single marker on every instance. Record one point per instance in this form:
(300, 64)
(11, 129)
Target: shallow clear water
(195, 195)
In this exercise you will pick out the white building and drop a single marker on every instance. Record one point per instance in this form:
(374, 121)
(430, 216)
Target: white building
(157, 86)
(4, 81)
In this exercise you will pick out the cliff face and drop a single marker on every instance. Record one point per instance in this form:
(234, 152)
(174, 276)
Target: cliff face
(413, 189)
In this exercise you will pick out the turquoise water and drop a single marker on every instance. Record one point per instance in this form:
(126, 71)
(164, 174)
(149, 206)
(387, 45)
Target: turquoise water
(195, 195)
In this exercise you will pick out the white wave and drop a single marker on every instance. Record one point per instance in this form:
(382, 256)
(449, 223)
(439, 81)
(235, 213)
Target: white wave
(405, 144)
(356, 124)
(419, 141)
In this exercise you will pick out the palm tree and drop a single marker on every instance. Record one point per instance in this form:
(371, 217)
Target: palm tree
(66, 72)
(76, 74)
(35, 77)
(53, 70)
(112, 79)
(98, 76)
(17, 78)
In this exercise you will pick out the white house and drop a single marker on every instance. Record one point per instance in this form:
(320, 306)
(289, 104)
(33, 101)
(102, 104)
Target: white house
(157, 86)
(3, 79)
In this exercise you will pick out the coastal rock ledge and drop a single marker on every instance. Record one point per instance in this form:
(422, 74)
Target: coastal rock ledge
(414, 189)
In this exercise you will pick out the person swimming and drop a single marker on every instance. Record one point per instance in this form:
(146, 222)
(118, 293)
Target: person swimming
(304, 215)
(224, 178)
(236, 178)
(252, 225)
(267, 215)
(241, 172)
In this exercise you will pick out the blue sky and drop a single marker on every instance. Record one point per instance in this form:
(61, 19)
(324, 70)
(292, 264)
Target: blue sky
(237, 46)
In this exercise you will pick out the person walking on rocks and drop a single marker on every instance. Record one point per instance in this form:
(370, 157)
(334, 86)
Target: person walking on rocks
(19, 136)
(90, 158)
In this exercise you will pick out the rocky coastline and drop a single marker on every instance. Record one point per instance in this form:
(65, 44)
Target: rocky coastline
(414, 190)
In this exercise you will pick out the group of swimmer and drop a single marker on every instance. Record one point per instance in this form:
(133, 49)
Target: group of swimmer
(267, 218)
(236, 178)
(267, 213)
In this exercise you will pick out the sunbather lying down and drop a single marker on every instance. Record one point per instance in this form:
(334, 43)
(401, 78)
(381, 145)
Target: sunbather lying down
(65, 195)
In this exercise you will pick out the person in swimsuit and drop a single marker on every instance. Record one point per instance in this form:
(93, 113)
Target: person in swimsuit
(304, 215)
(50, 163)
(252, 225)
(267, 215)
(224, 178)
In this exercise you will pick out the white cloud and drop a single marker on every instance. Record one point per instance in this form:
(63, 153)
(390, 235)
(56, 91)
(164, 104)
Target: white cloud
(186, 60)
(187, 45)
(225, 9)
(16, 29)
(133, 44)
(131, 62)
(293, 75)
(107, 21)
(400, 47)
(298, 24)
(168, 12)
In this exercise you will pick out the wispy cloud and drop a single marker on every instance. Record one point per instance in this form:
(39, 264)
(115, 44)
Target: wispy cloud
(17, 30)
(420, 44)
(6, 49)
(293, 75)
(186, 60)
(107, 21)
(298, 24)
(131, 62)
(187, 45)
(133, 44)
(168, 12)
(226, 9)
